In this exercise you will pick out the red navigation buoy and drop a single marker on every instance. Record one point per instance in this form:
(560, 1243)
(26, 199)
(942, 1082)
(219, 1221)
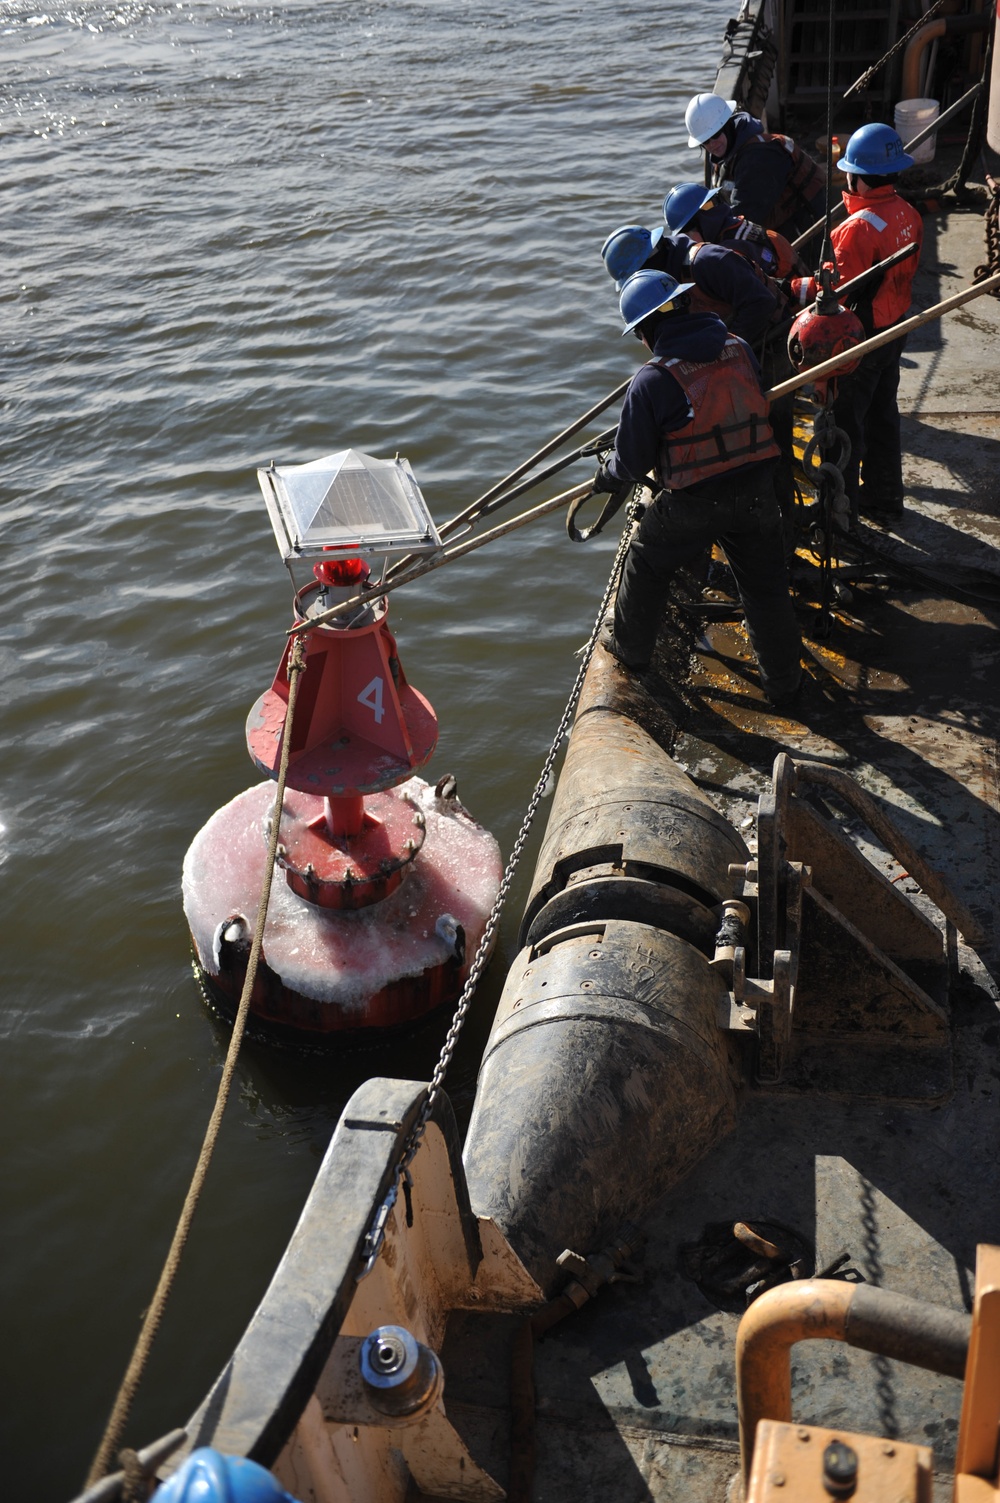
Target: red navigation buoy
(823, 330)
(388, 882)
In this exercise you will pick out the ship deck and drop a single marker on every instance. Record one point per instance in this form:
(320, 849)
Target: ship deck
(636, 1393)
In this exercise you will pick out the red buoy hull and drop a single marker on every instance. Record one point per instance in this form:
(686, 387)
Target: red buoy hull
(326, 974)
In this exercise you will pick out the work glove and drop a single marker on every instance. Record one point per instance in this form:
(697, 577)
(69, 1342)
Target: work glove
(617, 495)
(605, 481)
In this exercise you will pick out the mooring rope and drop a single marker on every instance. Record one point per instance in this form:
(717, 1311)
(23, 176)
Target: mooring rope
(151, 1319)
(376, 1232)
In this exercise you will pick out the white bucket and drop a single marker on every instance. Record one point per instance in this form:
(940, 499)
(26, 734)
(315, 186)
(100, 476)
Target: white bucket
(913, 116)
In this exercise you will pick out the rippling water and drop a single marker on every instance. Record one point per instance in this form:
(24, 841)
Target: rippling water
(231, 234)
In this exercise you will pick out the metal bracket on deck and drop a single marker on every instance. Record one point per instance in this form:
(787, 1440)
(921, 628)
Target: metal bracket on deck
(765, 1003)
(437, 1458)
(841, 980)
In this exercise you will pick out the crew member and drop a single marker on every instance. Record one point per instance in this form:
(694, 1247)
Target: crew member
(695, 415)
(703, 214)
(771, 180)
(878, 223)
(722, 282)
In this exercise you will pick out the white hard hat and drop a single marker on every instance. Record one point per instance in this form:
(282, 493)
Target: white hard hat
(706, 115)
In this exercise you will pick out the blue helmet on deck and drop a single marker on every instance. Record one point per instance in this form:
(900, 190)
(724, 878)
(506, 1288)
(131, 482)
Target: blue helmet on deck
(647, 292)
(628, 248)
(209, 1477)
(875, 151)
(683, 203)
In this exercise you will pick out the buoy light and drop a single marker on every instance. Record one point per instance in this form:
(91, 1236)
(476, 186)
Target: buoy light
(342, 571)
(351, 502)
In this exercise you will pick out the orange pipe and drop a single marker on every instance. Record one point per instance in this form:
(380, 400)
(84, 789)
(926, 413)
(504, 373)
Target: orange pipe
(929, 33)
(914, 53)
(806, 1309)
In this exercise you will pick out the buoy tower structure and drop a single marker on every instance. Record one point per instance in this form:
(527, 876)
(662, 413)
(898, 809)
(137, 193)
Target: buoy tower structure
(388, 881)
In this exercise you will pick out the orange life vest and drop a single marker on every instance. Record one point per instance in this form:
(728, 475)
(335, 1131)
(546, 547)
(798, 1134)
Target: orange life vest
(768, 252)
(729, 428)
(803, 184)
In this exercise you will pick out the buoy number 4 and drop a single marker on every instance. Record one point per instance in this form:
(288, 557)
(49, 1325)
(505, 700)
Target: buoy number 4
(371, 698)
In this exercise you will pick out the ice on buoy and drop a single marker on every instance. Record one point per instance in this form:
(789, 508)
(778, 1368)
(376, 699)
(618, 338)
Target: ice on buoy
(343, 961)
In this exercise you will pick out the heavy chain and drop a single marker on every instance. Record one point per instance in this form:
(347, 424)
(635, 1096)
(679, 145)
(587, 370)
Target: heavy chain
(992, 263)
(834, 448)
(866, 78)
(376, 1232)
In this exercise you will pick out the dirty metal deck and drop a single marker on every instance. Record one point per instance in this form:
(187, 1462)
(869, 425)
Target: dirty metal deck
(636, 1393)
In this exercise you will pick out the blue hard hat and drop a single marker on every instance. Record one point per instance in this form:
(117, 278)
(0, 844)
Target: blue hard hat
(875, 151)
(683, 202)
(628, 248)
(647, 292)
(209, 1477)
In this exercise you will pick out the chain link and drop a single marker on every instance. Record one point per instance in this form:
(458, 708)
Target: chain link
(834, 448)
(376, 1232)
(992, 227)
(866, 78)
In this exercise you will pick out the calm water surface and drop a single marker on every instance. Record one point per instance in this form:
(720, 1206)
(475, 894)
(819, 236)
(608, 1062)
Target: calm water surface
(231, 234)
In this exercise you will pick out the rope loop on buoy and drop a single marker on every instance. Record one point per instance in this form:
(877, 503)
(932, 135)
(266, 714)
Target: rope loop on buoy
(151, 1319)
(375, 1236)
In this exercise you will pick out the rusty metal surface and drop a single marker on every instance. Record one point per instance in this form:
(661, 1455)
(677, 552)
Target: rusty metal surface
(349, 871)
(643, 1380)
(789, 1464)
(834, 781)
(879, 1321)
(863, 1027)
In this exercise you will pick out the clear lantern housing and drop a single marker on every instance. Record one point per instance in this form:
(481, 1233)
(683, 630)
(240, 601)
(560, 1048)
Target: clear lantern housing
(347, 503)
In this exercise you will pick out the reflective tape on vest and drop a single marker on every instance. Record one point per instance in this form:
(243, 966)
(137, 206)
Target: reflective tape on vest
(872, 219)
